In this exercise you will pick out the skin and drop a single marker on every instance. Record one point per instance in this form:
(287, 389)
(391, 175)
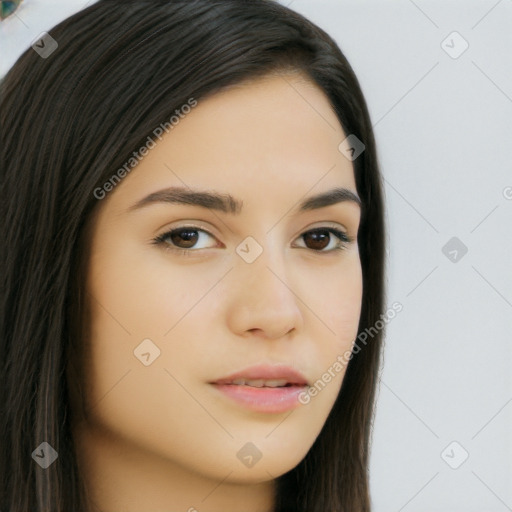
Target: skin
(159, 437)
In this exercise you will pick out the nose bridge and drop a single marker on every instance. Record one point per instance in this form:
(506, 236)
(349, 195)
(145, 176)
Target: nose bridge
(267, 285)
(269, 281)
(265, 266)
(265, 299)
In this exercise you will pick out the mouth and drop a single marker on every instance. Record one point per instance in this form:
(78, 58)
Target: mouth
(261, 383)
(264, 388)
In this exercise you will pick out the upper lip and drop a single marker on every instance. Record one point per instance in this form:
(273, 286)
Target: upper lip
(266, 372)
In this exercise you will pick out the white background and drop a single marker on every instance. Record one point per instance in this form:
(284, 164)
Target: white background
(444, 133)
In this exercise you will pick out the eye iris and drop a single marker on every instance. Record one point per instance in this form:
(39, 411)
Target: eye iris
(190, 237)
(318, 238)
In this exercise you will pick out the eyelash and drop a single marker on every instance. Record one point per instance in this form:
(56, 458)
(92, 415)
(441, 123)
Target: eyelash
(344, 238)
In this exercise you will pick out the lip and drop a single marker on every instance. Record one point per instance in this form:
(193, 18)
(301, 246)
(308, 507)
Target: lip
(266, 372)
(264, 399)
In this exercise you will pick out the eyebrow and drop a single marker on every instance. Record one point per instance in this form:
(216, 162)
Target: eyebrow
(226, 203)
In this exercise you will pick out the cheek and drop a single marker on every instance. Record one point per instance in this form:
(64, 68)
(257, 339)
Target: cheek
(136, 295)
(138, 290)
(130, 302)
(341, 310)
(342, 304)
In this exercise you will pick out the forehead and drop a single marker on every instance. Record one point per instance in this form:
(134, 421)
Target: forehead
(271, 134)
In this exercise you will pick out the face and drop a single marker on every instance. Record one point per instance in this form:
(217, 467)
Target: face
(193, 308)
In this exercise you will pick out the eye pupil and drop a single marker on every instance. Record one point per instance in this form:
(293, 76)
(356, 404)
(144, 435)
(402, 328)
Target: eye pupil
(318, 238)
(188, 235)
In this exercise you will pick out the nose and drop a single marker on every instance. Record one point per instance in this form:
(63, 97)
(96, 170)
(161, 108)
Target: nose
(263, 300)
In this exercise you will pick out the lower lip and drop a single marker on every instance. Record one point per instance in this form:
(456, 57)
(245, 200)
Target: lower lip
(270, 400)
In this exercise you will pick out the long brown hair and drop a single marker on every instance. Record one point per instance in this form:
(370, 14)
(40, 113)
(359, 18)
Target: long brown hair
(69, 120)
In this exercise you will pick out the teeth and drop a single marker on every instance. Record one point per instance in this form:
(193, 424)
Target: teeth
(276, 383)
(260, 383)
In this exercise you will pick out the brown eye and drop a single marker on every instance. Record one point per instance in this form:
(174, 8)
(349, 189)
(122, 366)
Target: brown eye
(319, 239)
(184, 238)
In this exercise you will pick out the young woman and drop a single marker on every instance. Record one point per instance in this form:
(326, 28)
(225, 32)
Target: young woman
(194, 238)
